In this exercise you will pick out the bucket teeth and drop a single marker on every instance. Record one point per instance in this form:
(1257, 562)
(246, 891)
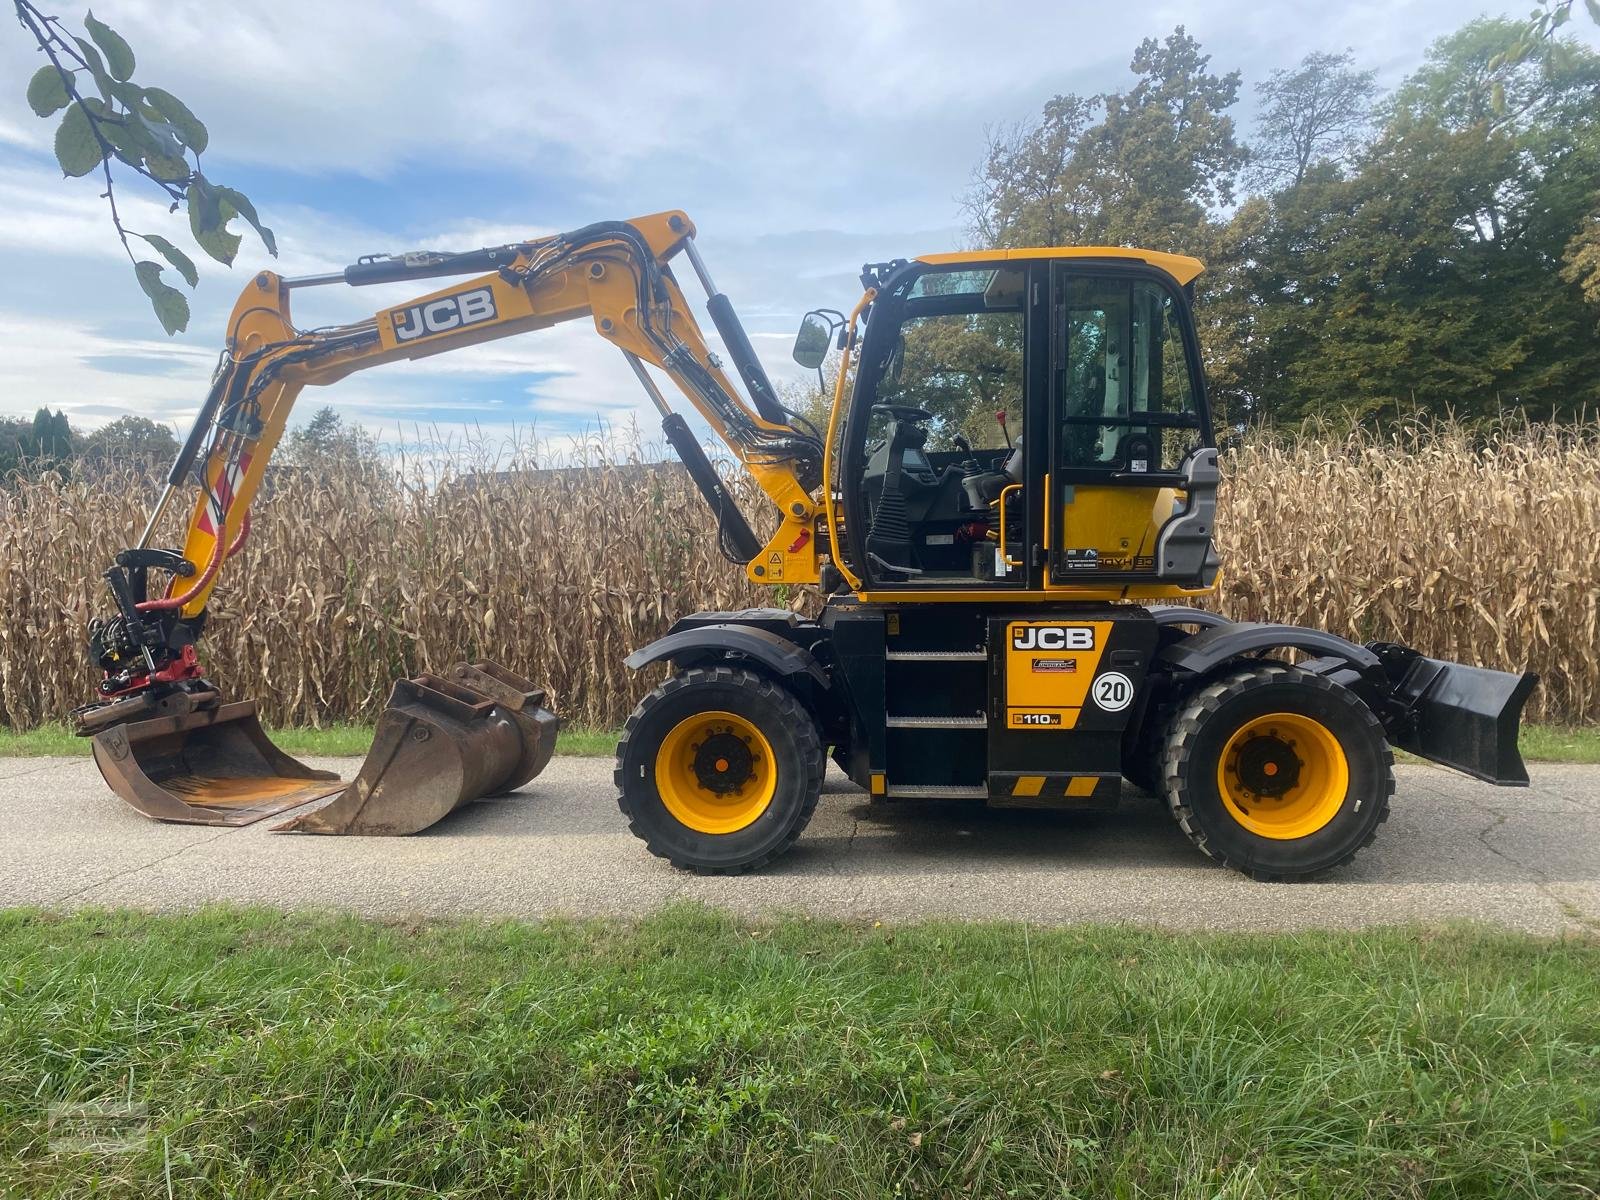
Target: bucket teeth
(441, 742)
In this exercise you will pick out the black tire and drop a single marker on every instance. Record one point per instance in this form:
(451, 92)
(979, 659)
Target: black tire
(798, 762)
(1199, 733)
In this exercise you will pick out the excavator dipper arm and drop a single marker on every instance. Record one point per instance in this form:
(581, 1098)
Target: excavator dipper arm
(617, 274)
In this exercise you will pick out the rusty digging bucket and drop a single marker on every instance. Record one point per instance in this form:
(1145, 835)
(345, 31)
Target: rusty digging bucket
(441, 742)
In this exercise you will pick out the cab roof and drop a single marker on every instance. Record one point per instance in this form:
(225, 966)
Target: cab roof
(1180, 266)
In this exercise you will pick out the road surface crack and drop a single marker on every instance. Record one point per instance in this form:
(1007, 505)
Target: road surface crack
(1540, 878)
(144, 866)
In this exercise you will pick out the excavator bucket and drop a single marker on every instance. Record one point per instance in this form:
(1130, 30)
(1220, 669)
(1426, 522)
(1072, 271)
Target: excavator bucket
(205, 763)
(441, 742)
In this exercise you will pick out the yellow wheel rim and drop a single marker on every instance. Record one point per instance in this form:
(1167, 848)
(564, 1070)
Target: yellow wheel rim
(1283, 775)
(714, 772)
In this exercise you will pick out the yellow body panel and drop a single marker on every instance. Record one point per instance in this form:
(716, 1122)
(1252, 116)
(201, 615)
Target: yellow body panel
(1181, 267)
(1120, 524)
(1049, 666)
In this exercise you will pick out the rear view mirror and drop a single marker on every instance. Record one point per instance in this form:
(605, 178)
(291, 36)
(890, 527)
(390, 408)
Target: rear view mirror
(815, 339)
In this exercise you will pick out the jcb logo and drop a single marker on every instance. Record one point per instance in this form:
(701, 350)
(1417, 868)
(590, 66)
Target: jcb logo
(1052, 637)
(441, 316)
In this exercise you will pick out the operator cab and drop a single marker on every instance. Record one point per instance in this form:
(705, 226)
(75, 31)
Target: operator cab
(1027, 422)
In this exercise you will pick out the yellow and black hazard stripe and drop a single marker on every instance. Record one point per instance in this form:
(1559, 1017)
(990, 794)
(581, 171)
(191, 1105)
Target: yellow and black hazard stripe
(1053, 790)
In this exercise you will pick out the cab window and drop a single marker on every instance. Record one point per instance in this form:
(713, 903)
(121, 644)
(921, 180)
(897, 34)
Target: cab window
(959, 357)
(1123, 385)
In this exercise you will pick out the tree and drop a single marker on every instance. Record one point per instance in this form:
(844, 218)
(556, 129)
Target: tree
(17, 447)
(1151, 171)
(1318, 111)
(135, 441)
(1427, 276)
(147, 130)
(1581, 262)
(327, 439)
(1467, 80)
(52, 437)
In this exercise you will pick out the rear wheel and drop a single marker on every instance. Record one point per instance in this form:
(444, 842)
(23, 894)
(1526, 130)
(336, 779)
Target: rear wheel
(719, 770)
(1277, 772)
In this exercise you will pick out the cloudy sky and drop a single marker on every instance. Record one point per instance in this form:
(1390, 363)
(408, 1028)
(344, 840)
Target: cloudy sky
(804, 140)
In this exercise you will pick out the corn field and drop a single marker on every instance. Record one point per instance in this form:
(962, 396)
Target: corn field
(1479, 550)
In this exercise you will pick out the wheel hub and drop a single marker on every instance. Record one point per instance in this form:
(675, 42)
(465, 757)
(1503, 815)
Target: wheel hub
(723, 763)
(1268, 766)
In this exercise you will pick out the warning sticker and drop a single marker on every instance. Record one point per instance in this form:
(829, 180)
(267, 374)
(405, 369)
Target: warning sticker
(227, 487)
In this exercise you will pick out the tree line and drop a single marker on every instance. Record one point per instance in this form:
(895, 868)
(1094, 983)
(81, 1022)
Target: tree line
(49, 443)
(1371, 256)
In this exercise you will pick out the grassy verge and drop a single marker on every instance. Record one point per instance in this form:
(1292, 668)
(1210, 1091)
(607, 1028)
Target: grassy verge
(333, 741)
(1540, 743)
(687, 1055)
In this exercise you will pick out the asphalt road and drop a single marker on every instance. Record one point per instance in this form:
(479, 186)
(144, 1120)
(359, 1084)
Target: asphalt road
(1522, 858)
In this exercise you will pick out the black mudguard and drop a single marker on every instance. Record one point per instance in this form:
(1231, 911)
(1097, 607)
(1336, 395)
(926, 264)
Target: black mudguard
(1465, 718)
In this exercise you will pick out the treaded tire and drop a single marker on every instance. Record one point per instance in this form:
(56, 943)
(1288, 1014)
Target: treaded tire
(1200, 730)
(799, 760)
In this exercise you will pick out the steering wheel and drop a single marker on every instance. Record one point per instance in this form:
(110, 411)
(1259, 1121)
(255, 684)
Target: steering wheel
(903, 412)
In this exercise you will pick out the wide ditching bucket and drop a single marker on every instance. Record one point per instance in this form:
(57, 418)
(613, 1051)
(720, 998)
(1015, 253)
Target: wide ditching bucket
(441, 742)
(210, 766)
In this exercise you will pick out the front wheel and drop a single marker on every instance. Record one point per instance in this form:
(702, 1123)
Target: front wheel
(1278, 772)
(719, 770)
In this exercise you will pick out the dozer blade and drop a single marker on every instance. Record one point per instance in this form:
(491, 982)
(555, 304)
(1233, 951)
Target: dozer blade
(441, 743)
(1467, 718)
(214, 766)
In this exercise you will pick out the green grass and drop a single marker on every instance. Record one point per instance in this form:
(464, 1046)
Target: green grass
(333, 741)
(1560, 743)
(1540, 743)
(688, 1055)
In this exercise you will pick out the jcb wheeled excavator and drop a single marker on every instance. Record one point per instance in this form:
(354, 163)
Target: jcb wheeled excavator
(1012, 502)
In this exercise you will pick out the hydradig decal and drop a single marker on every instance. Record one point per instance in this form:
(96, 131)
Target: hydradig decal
(1058, 666)
(444, 314)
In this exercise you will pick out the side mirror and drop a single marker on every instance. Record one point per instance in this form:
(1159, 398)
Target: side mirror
(815, 339)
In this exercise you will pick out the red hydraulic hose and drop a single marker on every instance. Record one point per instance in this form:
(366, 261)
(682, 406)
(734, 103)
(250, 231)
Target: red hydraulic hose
(166, 604)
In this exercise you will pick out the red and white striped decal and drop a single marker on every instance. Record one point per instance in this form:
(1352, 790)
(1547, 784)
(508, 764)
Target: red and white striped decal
(226, 488)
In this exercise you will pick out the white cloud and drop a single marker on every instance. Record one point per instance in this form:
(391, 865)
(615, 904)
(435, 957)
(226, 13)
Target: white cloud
(456, 123)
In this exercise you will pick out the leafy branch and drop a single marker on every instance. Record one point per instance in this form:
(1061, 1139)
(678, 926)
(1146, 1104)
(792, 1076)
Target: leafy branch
(1543, 24)
(144, 129)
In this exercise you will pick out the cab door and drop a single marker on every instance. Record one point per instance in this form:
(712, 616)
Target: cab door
(1129, 431)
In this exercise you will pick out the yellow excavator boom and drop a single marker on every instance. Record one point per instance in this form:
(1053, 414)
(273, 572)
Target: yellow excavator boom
(164, 739)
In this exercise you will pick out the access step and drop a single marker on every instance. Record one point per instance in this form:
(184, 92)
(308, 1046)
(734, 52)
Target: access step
(936, 722)
(936, 791)
(936, 655)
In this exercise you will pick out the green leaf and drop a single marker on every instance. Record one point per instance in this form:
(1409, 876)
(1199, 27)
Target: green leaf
(47, 92)
(241, 202)
(97, 68)
(77, 149)
(163, 137)
(209, 215)
(172, 310)
(180, 261)
(166, 168)
(177, 114)
(133, 143)
(118, 57)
